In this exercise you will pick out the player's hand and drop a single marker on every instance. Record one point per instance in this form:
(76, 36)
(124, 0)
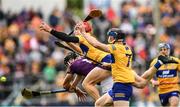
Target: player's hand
(154, 83)
(77, 32)
(45, 27)
(72, 88)
(80, 26)
(81, 95)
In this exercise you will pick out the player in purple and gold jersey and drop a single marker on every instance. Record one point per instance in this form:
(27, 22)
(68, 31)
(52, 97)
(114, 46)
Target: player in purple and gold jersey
(73, 63)
(70, 82)
(80, 68)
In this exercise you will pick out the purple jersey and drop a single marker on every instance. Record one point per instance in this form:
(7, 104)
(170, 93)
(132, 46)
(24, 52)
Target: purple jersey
(82, 66)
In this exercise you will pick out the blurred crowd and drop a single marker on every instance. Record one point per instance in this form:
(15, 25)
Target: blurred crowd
(29, 57)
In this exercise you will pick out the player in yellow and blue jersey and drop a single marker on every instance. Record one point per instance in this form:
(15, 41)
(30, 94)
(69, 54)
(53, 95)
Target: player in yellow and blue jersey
(167, 78)
(122, 73)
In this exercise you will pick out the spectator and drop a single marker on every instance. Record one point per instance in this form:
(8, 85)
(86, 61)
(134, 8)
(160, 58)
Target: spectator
(54, 18)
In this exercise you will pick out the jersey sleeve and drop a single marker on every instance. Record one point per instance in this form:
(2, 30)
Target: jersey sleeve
(177, 60)
(68, 71)
(72, 69)
(112, 48)
(153, 62)
(80, 38)
(63, 36)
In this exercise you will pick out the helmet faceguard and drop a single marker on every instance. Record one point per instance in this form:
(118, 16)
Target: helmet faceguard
(164, 46)
(117, 34)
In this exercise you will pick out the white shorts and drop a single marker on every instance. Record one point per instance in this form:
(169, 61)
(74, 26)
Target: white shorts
(106, 84)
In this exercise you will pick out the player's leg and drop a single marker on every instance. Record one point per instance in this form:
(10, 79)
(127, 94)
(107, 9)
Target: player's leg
(174, 99)
(121, 103)
(95, 76)
(105, 100)
(119, 99)
(106, 85)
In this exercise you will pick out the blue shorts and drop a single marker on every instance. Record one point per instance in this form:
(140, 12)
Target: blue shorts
(121, 91)
(164, 98)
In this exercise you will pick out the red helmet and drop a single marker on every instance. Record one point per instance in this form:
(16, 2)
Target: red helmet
(88, 27)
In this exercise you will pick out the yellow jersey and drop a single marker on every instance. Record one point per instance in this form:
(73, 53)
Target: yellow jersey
(167, 74)
(121, 68)
(90, 51)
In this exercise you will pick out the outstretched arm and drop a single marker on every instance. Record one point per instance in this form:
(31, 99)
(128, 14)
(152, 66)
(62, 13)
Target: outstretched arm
(74, 46)
(139, 81)
(75, 82)
(148, 75)
(93, 41)
(73, 87)
(60, 35)
(80, 94)
(67, 81)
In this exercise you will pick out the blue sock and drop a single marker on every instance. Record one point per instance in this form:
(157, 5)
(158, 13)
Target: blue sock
(158, 64)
